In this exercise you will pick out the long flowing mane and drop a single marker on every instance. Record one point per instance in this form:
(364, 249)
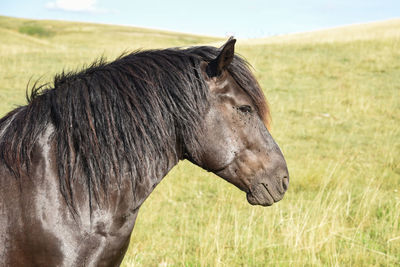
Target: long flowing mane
(117, 116)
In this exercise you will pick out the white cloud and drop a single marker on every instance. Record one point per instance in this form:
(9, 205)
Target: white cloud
(75, 5)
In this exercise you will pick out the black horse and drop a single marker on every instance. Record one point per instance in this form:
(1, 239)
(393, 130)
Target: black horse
(78, 161)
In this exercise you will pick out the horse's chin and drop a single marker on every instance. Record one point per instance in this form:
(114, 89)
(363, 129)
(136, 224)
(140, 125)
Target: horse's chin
(263, 191)
(260, 195)
(265, 201)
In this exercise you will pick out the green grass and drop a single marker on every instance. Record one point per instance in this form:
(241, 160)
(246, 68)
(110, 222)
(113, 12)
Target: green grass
(35, 30)
(335, 100)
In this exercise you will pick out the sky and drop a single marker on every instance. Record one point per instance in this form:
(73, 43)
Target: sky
(243, 19)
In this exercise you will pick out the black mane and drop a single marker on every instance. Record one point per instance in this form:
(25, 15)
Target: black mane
(115, 116)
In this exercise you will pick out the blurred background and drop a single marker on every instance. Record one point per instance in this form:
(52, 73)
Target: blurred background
(244, 19)
(330, 71)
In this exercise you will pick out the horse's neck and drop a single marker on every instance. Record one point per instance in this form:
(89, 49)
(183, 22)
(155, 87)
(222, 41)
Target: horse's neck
(132, 189)
(158, 170)
(124, 195)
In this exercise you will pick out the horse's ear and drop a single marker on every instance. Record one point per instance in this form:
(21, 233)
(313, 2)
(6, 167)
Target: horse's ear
(225, 57)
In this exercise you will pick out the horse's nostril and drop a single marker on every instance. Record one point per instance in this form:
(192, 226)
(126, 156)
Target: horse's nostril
(285, 183)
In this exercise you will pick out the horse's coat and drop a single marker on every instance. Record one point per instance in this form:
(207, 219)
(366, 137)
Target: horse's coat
(78, 161)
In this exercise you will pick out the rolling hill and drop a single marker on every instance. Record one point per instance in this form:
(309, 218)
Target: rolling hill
(335, 101)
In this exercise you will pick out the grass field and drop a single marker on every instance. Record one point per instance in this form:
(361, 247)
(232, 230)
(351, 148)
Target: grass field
(335, 100)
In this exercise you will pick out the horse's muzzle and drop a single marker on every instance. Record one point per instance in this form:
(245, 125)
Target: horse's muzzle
(269, 189)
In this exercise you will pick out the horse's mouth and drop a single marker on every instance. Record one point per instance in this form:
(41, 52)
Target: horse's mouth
(262, 194)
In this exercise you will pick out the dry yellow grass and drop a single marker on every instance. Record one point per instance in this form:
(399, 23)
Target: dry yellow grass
(335, 100)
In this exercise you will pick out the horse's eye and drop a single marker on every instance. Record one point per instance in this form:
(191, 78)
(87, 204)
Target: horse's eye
(245, 109)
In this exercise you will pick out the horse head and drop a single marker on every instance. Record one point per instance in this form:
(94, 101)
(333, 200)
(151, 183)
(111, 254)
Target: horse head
(235, 143)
